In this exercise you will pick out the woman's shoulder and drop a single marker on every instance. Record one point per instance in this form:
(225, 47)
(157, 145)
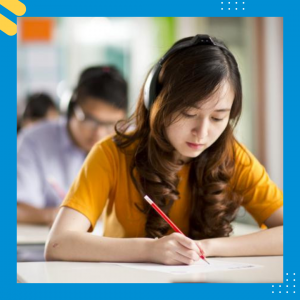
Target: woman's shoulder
(107, 141)
(245, 160)
(109, 145)
(243, 155)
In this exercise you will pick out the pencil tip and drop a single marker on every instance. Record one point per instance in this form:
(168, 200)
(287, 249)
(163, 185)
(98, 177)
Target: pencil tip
(206, 261)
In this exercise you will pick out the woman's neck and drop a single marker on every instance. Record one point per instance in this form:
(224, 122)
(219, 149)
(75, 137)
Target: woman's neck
(182, 160)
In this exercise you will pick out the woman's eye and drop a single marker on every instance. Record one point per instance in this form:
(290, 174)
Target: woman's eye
(217, 119)
(188, 115)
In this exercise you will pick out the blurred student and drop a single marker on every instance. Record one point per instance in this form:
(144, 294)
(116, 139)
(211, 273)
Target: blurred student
(50, 154)
(39, 107)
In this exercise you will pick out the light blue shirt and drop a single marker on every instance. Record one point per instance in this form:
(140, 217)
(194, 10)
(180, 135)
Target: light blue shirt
(47, 163)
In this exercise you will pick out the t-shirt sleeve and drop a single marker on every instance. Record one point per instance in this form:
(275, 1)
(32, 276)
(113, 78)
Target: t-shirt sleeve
(94, 183)
(261, 196)
(30, 179)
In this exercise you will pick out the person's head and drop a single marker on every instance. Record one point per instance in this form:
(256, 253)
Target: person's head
(187, 109)
(39, 107)
(198, 91)
(98, 102)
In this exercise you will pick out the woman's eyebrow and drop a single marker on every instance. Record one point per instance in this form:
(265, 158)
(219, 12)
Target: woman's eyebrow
(216, 110)
(222, 109)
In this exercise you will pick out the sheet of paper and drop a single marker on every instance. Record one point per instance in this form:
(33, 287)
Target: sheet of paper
(199, 267)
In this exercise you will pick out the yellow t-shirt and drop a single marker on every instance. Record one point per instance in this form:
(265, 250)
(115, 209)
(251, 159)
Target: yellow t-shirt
(105, 179)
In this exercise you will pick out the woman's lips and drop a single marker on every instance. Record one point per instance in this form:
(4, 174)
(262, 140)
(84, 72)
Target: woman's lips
(195, 146)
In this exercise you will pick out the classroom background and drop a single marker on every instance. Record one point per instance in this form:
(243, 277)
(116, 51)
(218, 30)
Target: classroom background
(51, 52)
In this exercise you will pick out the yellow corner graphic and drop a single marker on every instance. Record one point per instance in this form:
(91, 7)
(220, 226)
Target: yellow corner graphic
(17, 8)
(7, 26)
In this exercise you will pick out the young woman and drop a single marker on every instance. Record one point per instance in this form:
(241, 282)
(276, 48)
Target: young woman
(182, 154)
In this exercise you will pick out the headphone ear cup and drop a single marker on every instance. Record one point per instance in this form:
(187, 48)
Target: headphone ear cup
(151, 86)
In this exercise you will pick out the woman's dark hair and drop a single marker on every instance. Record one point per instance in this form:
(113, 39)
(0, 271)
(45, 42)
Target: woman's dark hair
(188, 76)
(103, 83)
(37, 106)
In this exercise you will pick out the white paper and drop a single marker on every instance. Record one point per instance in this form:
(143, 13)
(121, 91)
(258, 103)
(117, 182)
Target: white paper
(198, 267)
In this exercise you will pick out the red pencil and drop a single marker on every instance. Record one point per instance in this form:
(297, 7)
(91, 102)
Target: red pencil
(165, 217)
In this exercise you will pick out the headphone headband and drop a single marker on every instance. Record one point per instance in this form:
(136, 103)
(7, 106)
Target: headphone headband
(150, 88)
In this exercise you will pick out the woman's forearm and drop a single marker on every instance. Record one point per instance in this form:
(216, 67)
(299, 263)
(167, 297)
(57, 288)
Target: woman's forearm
(82, 246)
(265, 242)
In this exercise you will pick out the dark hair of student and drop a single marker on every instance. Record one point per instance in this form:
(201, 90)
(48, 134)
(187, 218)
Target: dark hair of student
(37, 106)
(103, 83)
(187, 77)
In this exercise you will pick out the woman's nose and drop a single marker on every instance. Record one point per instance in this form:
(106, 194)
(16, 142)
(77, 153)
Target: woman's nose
(200, 131)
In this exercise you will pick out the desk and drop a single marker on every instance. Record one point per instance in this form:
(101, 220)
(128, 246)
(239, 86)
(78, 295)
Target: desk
(81, 272)
(31, 241)
(31, 234)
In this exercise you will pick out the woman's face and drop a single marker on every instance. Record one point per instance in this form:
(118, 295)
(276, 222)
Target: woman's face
(195, 130)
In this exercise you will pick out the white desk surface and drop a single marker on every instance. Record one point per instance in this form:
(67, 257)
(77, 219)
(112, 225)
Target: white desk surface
(81, 272)
(31, 234)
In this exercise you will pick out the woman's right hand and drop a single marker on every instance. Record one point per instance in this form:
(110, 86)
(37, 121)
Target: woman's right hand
(174, 249)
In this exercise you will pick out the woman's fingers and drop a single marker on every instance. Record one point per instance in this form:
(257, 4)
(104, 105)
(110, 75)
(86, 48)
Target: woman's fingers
(188, 253)
(187, 242)
(179, 259)
(175, 249)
